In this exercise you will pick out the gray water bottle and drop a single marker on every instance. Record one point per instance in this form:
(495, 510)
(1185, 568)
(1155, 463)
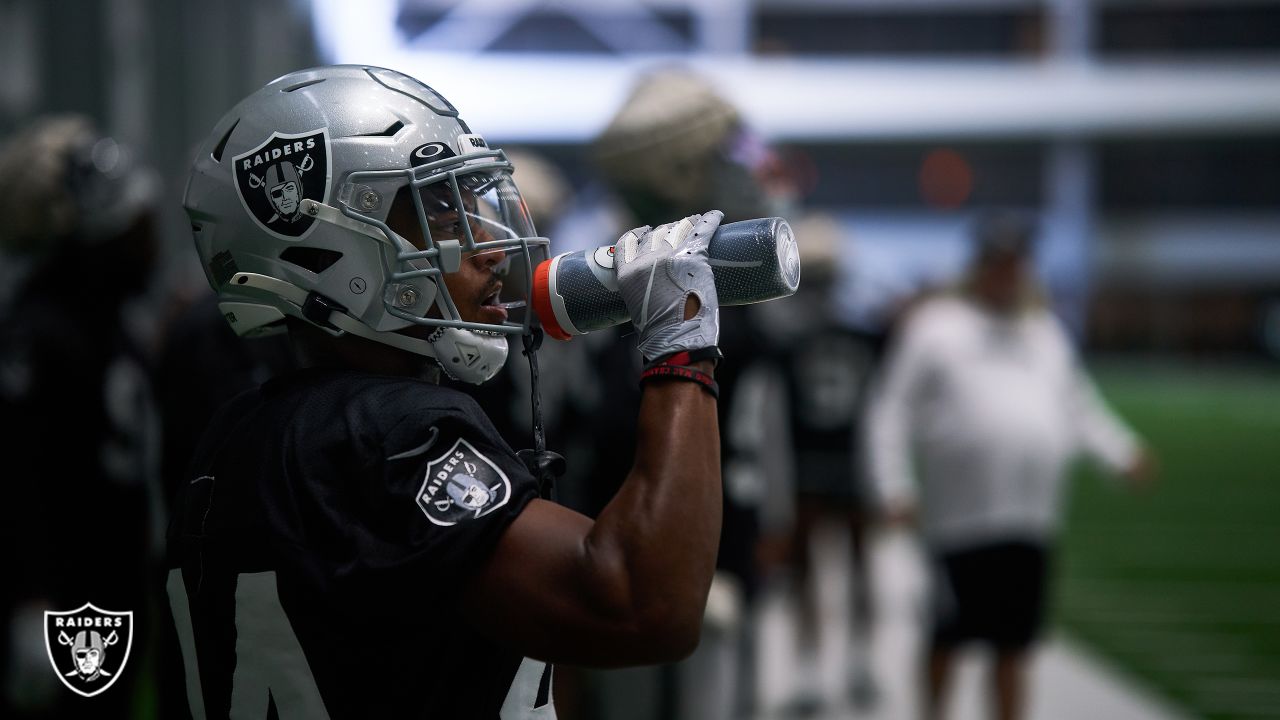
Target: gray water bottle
(752, 261)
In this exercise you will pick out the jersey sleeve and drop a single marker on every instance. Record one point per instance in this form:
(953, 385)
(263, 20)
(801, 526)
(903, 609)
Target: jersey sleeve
(447, 485)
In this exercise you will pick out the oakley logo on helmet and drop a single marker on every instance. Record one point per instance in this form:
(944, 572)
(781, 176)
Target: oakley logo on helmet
(430, 152)
(462, 484)
(274, 178)
(433, 151)
(88, 647)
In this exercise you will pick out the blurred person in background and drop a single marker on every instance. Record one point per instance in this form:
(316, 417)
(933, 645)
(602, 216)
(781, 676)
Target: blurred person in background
(676, 120)
(983, 384)
(825, 367)
(80, 433)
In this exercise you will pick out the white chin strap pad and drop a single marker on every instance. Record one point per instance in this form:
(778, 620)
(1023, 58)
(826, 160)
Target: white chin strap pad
(465, 355)
(469, 356)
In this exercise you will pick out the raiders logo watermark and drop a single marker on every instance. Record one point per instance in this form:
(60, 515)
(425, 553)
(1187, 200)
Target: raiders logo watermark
(462, 484)
(88, 647)
(274, 178)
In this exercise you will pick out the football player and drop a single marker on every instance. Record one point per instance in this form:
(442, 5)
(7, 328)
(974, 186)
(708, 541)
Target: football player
(354, 540)
(825, 365)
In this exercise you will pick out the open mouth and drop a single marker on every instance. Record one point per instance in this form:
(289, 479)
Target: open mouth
(492, 305)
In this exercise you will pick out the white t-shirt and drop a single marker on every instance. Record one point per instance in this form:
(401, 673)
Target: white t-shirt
(991, 409)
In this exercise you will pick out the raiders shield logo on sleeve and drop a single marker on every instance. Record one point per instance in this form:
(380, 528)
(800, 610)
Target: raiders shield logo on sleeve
(462, 484)
(88, 647)
(274, 178)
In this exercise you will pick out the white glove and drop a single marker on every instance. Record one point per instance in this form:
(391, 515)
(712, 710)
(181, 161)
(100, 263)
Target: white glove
(658, 269)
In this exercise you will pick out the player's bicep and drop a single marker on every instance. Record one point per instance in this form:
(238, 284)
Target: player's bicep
(546, 594)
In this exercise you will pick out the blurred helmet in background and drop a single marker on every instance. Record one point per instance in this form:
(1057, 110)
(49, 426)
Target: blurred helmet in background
(821, 239)
(677, 147)
(64, 185)
(289, 199)
(543, 186)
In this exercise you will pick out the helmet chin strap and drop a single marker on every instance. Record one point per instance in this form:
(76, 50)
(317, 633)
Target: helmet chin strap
(546, 466)
(333, 318)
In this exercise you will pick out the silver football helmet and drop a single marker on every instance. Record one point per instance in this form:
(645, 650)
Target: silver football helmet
(289, 201)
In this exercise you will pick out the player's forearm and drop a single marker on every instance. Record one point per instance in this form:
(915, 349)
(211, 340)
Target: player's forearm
(660, 534)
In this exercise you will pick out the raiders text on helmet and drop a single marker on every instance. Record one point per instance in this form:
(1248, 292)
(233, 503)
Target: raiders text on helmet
(289, 199)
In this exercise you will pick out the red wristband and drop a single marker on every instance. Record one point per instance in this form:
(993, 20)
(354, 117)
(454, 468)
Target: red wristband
(682, 372)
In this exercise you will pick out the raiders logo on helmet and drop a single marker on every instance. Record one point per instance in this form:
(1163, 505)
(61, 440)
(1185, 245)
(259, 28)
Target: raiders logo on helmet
(462, 484)
(274, 178)
(88, 647)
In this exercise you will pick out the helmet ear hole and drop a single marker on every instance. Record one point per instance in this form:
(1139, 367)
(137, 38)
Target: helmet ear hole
(222, 144)
(315, 259)
(402, 217)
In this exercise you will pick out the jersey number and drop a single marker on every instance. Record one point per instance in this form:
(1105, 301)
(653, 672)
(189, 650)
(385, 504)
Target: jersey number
(273, 669)
(530, 695)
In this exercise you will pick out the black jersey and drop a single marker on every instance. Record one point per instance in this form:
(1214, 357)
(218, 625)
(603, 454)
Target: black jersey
(320, 541)
(827, 374)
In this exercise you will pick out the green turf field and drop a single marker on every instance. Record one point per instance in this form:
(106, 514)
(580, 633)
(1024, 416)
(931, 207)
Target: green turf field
(1180, 587)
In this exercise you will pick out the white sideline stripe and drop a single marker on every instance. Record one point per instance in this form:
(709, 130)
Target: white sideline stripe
(1070, 681)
